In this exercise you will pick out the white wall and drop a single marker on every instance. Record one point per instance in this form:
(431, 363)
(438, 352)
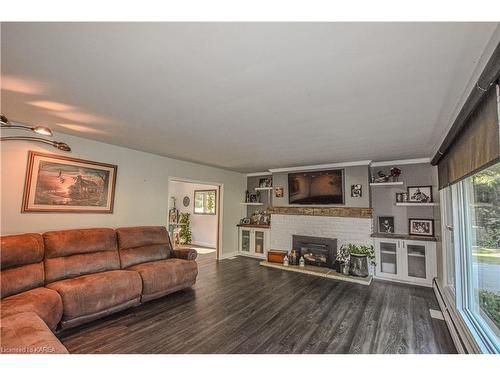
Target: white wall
(203, 227)
(141, 189)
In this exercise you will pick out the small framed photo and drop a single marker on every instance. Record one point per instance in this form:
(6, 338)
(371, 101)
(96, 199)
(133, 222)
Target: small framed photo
(254, 198)
(279, 192)
(245, 221)
(400, 197)
(356, 191)
(421, 227)
(386, 224)
(266, 182)
(419, 194)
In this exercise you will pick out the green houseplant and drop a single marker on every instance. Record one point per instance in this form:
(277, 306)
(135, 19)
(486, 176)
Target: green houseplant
(344, 257)
(185, 235)
(359, 255)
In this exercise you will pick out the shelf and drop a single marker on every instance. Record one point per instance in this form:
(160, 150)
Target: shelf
(417, 204)
(252, 203)
(386, 183)
(263, 188)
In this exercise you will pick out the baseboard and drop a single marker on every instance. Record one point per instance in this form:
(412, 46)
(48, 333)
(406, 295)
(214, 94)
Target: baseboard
(452, 327)
(229, 255)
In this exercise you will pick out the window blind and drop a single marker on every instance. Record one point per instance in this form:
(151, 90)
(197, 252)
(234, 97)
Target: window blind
(476, 145)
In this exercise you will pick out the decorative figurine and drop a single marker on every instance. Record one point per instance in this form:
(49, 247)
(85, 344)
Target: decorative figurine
(285, 260)
(302, 263)
(382, 177)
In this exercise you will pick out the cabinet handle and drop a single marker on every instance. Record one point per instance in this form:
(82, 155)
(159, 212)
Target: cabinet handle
(449, 227)
(399, 243)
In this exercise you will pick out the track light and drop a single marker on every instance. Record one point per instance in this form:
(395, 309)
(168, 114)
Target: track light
(59, 145)
(42, 130)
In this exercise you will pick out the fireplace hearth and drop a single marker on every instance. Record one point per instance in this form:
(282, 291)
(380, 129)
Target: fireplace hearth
(317, 251)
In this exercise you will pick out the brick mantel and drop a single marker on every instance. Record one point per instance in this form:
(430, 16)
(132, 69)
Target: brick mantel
(356, 212)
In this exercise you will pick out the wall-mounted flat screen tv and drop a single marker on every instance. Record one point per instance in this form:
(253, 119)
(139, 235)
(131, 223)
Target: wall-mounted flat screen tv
(320, 187)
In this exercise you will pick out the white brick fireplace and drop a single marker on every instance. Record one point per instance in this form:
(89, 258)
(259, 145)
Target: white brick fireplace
(344, 229)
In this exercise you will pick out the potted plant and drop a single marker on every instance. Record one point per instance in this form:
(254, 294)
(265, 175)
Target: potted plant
(359, 255)
(185, 234)
(343, 257)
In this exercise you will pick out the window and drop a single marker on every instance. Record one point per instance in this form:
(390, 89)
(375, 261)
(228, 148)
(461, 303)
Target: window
(471, 240)
(481, 206)
(205, 202)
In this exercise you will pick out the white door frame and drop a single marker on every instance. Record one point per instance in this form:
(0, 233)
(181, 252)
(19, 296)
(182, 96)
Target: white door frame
(219, 201)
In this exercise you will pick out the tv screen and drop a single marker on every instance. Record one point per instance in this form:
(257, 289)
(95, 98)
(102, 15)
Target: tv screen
(321, 187)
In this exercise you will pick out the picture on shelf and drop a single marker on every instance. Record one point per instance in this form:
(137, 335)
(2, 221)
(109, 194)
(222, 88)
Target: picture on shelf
(421, 227)
(254, 198)
(386, 224)
(419, 194)
(401, 197)
(279, 192)
(266, 182)
(356, 191)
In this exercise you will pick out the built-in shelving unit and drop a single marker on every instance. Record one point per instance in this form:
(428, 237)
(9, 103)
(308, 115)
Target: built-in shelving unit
(386, 183)
(431, 204)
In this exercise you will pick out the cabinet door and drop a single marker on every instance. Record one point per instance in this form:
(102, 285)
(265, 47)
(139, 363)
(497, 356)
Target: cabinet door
(245, 240)
(259, 242)
(388, 258)
(419, 261)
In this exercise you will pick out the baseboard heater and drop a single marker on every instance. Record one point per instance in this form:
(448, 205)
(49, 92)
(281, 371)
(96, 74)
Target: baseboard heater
(454, 331)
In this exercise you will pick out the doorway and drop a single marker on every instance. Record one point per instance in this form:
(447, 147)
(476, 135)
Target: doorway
(194, 215)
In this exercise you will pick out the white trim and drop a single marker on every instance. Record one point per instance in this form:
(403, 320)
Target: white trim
(401, 162)
(321, 166)
(255, 174)
(230, 255)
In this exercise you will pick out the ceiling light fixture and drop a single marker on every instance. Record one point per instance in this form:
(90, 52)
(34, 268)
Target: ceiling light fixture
(59, 145)
(6, 124)
(42, 130)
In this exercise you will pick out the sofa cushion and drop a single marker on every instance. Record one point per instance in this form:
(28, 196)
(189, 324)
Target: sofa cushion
(76, 252)
(26, 333)
(89, 294)
(44, 302)
(21, 263)
(142, 244)
(165, 275)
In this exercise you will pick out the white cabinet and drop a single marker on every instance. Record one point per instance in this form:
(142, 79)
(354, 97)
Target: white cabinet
(253, 241)
(410, 261)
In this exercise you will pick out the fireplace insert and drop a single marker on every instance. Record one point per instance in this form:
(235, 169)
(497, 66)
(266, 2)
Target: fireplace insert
(317, 251)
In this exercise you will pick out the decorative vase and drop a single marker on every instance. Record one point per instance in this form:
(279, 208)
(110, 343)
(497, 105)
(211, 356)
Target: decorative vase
(302, 262)
(359, 265)
(345, 268)
(285, 261)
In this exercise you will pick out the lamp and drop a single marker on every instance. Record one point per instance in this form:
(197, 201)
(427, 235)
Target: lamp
(42, 130)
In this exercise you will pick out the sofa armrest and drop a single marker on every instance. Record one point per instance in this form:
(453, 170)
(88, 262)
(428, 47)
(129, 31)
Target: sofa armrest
(184, 253)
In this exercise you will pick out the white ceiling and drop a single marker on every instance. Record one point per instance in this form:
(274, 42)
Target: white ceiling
(244, 96)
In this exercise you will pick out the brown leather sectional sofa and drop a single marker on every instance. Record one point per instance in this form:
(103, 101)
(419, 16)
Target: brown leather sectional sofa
(62, 279)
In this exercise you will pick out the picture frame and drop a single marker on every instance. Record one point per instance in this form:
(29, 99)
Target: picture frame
(419, 194)
(56, 183)
(266, 182)
(279, 192)
(356, 191)
(421, 227)
(386, 224)
(402, 197)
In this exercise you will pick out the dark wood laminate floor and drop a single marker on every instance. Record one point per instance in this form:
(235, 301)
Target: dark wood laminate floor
(238, 306)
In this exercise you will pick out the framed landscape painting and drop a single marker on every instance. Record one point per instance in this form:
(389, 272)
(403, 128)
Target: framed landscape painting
(61, 184)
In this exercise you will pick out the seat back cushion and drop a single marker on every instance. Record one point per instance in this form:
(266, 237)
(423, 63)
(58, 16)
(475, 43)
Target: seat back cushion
(21, 263)
(142, 244)
(76, 252)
